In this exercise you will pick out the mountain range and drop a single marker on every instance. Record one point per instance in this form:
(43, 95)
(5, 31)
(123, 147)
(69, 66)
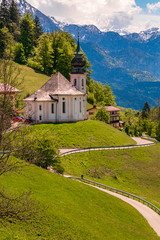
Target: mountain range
(129, 63)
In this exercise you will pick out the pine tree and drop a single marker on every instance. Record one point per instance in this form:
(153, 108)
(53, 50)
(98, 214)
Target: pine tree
(27, 37)
(6, 40)
(14, 20)
(145, 110)
(38, 28)
(14, 12)
(5, 17)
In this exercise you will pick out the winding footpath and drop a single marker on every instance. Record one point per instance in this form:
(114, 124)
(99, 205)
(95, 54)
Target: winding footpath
(140, 143)
(150, 215)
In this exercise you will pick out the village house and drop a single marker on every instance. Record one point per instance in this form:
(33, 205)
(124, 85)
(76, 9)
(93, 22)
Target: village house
(113, 113)
(9, 91)
(59, 100)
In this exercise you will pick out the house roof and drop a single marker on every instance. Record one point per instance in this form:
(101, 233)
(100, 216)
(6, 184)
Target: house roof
(8, 88)
(108, 108)
(56, 85)
(112, 108)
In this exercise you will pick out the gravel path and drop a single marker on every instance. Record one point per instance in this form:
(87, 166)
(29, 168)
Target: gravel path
(151, 216)
(140, 143)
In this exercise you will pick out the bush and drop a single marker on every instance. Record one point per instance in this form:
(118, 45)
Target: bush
(41, 152)
(101, 115)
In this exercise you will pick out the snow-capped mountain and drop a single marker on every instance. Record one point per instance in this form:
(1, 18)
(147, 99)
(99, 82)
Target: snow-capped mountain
(129, 63)
(47, 23)
(145, 36)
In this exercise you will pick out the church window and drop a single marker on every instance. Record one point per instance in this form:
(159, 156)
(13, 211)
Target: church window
(75, 82)
(52, 108)
(80, 107)
(40, 107)
(63, 105)
(40, 117)
(82, 82)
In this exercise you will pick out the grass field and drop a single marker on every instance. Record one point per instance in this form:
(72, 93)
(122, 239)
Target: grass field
(32, 80)
(82, 134)
(72, 210)
(133, 170)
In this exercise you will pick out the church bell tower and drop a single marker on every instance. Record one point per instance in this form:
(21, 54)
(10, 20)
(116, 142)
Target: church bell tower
(78, 73)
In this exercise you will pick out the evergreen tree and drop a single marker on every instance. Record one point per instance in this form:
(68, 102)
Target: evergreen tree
(27, 37)
(1, 19)
(6, 41)
(38, 28)
(14, 12)
(14, 19)
(5, 16)
(145, 110)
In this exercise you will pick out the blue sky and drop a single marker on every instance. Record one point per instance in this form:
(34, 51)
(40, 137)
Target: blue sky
(120, 15)
(143, 3)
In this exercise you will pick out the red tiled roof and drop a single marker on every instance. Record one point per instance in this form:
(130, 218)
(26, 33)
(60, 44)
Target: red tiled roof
(7, 88)
(57, 85)
(111, 108)
(108, 108)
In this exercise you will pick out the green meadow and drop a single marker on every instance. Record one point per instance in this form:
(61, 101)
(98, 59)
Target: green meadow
(71, 210)
(136, 170)
(84, 134)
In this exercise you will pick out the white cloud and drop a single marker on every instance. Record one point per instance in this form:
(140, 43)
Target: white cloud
(108, 13)
(153, 7)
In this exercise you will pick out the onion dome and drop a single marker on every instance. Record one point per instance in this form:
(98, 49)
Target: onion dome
(78, 62)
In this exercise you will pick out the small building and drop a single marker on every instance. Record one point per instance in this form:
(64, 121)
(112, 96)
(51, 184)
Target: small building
(9, 91)
(60, 100)
(113, 113)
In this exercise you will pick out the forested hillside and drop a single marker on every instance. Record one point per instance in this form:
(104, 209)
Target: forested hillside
(23, 39)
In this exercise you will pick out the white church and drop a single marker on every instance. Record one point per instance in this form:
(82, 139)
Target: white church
(59, 100)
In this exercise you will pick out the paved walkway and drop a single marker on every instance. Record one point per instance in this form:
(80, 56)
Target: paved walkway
(151, 216)
(140, 143)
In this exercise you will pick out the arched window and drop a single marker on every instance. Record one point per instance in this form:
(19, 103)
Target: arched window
(40, 117)
(75, 82)
(40, 107)
(82, 82)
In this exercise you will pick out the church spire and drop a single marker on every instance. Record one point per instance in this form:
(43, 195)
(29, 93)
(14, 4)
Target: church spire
(78, 50)
(78, 62)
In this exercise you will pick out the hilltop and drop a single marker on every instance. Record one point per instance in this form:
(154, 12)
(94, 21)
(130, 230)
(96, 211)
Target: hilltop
(83, 134)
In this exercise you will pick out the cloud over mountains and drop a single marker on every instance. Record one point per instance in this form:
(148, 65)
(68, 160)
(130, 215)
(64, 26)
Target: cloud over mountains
(105, 14)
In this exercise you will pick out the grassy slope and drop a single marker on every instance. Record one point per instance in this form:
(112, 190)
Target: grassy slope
(32, 80)
(83, 134)
(73, 211)
(134, 170)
